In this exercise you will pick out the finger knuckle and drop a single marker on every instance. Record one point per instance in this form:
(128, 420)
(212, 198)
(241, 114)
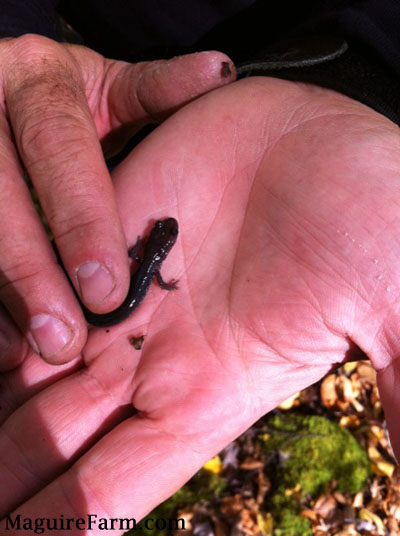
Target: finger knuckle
(45, 135)
(43, 91)
(32, 54)
(31, 43)
(30, 58)
(24, 269)
(77, 226)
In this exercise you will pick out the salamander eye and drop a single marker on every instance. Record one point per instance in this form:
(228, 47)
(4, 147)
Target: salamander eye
(159, 224)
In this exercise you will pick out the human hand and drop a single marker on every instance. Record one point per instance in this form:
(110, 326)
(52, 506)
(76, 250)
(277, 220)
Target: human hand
(57, 101)
(287, 199)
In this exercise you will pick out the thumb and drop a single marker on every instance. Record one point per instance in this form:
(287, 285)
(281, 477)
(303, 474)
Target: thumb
(148, 92)
(388, 384)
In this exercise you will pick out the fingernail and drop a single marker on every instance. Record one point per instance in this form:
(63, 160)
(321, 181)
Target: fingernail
(48, 334)
(95, 282)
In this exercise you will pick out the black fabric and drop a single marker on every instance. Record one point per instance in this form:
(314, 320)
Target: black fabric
(331, 61)
(376, 25)
(18, 17)
(138, 29)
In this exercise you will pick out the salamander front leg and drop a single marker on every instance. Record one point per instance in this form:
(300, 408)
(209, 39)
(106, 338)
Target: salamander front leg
(133, 252)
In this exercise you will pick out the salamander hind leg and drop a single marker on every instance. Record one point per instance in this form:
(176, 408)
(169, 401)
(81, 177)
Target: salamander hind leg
(172, 285)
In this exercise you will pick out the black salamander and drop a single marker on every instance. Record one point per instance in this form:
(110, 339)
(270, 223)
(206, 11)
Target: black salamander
(160, 242)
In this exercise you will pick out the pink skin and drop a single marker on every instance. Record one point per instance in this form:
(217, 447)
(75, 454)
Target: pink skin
(59, 100)
(288, 262)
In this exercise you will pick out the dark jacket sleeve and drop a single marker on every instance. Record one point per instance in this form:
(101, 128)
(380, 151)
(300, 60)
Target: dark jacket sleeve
(18, 17)
(353, 49)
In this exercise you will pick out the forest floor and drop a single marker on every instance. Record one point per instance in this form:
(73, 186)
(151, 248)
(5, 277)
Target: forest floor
(321, 464)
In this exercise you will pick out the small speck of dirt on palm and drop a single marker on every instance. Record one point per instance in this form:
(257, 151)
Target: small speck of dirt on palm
(137, 342)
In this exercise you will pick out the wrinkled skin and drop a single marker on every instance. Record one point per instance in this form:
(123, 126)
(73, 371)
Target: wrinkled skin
(287, 196)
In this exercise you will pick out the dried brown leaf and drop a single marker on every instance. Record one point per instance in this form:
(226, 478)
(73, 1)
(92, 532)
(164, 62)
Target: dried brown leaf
(309, 514)
(367, 515)
(344, 387)
(349, 421)
(231, 506)
(367, 372)
(324, 505)
(358, 500)
(250, 464)
(329, 394)
(290, 402)
(264, 485)
(249, 523)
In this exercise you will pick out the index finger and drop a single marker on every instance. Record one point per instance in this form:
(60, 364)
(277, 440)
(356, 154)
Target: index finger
(58, 143)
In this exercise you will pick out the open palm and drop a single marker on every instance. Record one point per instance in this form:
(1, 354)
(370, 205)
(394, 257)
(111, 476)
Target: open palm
(287, 259)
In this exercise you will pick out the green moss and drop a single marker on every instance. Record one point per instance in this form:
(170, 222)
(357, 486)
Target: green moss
(313, 451)
(317, 451)
(287, 521)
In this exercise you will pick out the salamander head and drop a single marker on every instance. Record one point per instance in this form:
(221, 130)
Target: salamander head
(164, 233)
